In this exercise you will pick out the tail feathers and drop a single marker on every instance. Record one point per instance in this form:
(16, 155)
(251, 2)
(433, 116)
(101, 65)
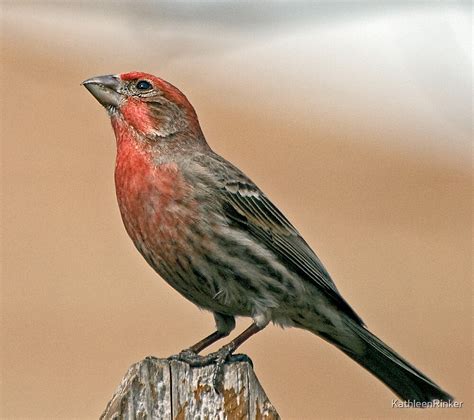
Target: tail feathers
(399, 375)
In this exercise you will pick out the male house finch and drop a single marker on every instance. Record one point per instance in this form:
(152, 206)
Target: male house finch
(216, 238)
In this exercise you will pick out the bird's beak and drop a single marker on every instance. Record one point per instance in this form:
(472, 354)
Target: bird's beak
(105, 89)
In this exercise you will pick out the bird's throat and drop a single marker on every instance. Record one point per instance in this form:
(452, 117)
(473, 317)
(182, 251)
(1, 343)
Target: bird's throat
(148, 194)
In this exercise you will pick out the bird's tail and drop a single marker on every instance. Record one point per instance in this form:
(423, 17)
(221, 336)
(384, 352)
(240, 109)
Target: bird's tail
(395, 372)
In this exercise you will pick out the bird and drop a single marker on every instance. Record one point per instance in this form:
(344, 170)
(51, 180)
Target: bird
(214, 236)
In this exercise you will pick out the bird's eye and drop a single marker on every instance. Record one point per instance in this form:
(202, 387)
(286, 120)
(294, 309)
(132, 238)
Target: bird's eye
(143, 85)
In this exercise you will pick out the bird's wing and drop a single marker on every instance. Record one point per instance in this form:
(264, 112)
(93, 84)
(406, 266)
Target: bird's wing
(248, 207)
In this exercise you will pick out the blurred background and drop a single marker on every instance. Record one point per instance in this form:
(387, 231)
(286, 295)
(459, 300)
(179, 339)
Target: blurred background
(354, 117)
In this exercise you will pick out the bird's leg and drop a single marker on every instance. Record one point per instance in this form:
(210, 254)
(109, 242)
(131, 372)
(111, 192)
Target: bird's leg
(224, 325)
(221, 355)
(206, 342)
(191, 356)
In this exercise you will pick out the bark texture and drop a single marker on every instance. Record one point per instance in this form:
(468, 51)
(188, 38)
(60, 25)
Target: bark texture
(163, 389)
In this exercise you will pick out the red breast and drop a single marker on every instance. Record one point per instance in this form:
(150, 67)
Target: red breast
(154, 200)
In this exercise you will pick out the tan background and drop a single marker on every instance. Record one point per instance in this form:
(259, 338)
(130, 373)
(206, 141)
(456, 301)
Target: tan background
(354, 119)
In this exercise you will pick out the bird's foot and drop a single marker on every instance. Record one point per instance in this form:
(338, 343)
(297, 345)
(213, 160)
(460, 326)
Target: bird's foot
(218, 358)
(236, 358)
(190, 357)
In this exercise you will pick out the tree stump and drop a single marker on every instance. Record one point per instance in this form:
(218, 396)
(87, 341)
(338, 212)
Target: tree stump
(163, 389)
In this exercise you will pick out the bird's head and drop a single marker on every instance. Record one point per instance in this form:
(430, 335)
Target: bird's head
(151, 106)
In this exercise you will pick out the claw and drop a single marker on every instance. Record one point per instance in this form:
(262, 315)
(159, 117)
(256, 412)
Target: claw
(188, 356)
(195, 360)
(218, 376)
(237, 358)
(218, 358)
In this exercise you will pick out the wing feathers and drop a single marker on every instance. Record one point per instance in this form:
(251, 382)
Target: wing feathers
(259, 217)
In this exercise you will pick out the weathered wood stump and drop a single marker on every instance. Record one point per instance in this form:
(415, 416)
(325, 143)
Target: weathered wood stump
(163, 389)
